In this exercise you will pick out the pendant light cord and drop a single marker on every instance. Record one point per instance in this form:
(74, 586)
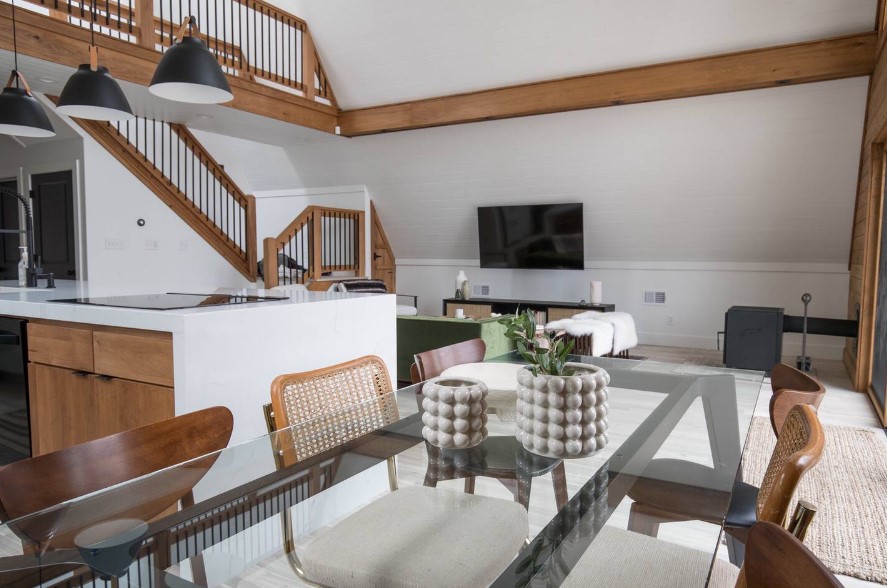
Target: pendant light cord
(15, 44)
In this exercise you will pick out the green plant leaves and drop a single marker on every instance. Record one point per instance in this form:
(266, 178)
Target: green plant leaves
(548, 356)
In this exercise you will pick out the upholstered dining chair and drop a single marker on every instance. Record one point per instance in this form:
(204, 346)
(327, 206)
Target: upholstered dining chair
(377, 545)
(798, 448)
(430, 364)
(774, 558)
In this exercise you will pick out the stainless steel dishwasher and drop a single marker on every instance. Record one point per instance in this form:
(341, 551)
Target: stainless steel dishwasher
(15, 432)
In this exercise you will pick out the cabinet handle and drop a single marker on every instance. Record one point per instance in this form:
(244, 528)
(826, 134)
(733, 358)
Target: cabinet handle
(80, 374)
(104, 378)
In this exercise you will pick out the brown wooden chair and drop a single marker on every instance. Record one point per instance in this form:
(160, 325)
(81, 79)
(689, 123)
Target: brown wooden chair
(798, 448)
(432, 363)
(35, 484)
(776, 558)
(791, 387)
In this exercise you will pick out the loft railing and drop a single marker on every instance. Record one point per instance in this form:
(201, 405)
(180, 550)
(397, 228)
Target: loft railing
(170, 161)
(319, 240)
(251, 38)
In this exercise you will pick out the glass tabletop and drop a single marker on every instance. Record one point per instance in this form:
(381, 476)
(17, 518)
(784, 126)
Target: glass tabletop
(255, 505)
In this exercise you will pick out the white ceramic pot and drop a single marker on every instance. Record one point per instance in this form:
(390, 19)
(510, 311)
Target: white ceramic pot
(563, 416)
(454, 412)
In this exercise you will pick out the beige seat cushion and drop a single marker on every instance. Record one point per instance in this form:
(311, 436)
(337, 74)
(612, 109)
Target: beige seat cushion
(422, 537)
(622, 558)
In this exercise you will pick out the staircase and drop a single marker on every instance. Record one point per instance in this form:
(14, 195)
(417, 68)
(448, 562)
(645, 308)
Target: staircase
(173, 164)
(319, 240)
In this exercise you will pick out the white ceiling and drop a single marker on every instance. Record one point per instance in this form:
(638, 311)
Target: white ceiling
(384, 51)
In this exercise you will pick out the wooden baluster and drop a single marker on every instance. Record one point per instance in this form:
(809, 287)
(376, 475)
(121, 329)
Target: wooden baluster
(145, 16)
(308, 64)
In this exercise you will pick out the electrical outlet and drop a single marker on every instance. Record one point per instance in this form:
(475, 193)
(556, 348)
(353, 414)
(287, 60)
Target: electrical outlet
(184, 244)
(152, 245)
(115, 243)
(669, 321)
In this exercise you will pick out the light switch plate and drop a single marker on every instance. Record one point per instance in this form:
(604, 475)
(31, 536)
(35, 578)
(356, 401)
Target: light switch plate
(152, 245)
(111, 243)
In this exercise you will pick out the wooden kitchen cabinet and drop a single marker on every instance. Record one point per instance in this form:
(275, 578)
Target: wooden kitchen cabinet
(87, 382)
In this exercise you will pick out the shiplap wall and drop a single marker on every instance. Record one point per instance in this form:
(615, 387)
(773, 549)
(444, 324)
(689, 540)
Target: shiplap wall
(758, 176)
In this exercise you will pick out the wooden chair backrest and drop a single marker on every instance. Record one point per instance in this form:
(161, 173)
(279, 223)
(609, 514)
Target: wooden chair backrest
(798, 448)
(39, 483)
(331, 405)
(432, 363)
(775, 557)
(790, 387)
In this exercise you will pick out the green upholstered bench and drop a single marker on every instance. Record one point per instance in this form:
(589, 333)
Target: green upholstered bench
(421, 333)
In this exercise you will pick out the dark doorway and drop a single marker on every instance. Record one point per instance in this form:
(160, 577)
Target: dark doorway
(52, 196)
(9, 243)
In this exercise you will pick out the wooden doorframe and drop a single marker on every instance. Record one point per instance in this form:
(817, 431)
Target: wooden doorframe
(376, 229)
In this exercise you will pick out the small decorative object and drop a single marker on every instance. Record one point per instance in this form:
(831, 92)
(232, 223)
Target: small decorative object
(460, 313)
(596, 293)
(466, 290)
(561, 407)
(454, 412)
(460, 278)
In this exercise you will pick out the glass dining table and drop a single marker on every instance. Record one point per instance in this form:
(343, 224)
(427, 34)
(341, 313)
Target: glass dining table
(253, 508)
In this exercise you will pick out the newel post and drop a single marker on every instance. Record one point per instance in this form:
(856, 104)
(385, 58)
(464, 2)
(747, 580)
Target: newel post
(145, 21)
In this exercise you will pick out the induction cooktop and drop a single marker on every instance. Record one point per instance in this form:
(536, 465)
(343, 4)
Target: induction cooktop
(169, 301)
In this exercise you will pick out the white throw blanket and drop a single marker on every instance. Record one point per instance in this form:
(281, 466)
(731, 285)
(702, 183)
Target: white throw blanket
(625, 334)
(601, 333)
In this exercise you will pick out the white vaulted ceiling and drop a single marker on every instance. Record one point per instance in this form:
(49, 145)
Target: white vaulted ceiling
(384, 51)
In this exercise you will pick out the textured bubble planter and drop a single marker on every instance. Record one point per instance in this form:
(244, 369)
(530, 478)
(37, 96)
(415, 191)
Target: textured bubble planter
(454, 412)
(563, 416)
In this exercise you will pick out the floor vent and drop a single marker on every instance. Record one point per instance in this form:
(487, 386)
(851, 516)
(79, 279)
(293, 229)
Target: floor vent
(654, 297)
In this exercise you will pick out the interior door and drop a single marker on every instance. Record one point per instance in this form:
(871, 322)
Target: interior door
(52, 196)
(9, 243)
(383, 258)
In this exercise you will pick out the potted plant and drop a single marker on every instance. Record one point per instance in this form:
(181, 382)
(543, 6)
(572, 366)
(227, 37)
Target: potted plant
(562, 406)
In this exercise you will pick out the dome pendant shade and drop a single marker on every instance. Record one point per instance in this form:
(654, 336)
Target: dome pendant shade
(94, 95)
(22, 115)
(188, 72)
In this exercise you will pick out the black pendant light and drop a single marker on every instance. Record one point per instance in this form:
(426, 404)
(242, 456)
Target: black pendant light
(91, 92)
(188, 72)
(20, 113)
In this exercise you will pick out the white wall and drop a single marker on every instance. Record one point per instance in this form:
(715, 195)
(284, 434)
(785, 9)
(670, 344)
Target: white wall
(45, 156)
(698, 294)
(114, 201)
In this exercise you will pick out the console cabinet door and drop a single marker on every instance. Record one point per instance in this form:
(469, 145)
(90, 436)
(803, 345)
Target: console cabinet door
(63, 408)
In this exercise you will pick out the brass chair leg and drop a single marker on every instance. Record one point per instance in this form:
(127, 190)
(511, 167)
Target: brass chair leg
(392, 473)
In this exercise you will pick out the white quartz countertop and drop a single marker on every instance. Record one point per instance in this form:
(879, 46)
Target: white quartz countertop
(37, 303)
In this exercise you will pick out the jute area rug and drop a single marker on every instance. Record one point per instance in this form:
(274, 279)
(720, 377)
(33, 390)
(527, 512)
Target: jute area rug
(848, 487)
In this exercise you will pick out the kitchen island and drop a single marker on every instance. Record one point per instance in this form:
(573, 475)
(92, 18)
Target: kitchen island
(94, 367)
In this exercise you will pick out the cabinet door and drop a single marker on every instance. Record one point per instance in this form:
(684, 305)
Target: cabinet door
(124, 404)
(63, 408)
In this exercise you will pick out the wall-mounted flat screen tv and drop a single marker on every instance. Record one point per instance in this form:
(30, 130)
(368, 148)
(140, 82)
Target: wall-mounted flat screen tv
(537, 236)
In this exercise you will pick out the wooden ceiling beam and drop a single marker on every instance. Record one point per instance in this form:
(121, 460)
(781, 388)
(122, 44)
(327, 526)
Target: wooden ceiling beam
(799, 63)
(45, 38)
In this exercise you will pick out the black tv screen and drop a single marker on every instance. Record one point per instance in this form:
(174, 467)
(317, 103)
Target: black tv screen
(538, 236)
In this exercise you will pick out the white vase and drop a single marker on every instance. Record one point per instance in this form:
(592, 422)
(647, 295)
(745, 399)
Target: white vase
(460, 278)
(454, 412)
(563, 416)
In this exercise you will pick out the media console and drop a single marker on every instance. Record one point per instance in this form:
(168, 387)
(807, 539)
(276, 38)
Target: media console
(483, 307)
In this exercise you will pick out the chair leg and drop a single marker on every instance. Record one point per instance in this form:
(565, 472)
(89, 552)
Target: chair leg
(735, 550)
(559, 479)
(640, 520)
(469, 485)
